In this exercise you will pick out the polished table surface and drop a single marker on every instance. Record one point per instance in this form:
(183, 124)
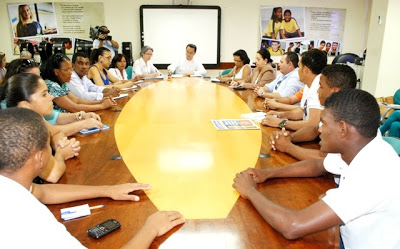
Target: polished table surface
(243, 227)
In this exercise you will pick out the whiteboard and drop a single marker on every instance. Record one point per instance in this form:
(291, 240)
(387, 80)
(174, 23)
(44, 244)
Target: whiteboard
(169, 28)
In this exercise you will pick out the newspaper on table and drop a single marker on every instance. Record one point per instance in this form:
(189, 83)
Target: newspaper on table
(234, 124)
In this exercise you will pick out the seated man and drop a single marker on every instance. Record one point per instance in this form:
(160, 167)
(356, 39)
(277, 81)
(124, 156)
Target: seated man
(287, 83)
(188, 65)
(333, 78)
(81, 86)
(366, 204)
(310, 66)
(24, 153)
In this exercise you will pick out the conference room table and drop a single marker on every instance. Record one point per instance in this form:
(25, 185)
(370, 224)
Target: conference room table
(242, 227)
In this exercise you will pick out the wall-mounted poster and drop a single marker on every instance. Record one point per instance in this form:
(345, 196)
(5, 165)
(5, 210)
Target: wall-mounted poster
(299, 28)
(59, 22)
(33, 19)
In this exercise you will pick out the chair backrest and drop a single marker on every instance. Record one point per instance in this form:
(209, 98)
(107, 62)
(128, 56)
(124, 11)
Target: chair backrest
(226, 71)
(394, 142)
(344, 58)
(129, 70)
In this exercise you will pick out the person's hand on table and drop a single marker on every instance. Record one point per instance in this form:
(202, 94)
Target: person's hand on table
(280, 140)
(161, 222)
(88, 115)
(244, 183)
(234, 83)
(270, 103)
(271, 120)
(261, 92)
(92, 123)
(256, 89)
(122, 191)
(258, 175)
(108, 102)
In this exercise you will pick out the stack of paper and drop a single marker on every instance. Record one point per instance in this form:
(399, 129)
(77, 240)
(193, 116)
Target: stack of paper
(255, 116)
(122, 95)
(129, 88)
(215, 80)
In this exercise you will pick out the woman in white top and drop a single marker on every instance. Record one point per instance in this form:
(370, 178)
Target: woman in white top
(241, 70)
(143, 66)
(118, 66)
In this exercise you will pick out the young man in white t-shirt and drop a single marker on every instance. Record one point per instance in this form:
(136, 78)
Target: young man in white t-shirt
(27, 223)
(366, 204)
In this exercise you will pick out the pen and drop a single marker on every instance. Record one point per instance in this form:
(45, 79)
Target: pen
(96, 207)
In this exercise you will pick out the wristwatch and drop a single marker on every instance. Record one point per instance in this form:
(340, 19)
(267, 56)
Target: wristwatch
(282, 124)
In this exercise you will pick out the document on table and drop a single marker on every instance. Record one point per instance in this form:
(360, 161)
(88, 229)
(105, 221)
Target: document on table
(122, 95)
(215, 80)
(160, 77)
(234, 124)
(129, 88)
(177, 75)
(255, 116)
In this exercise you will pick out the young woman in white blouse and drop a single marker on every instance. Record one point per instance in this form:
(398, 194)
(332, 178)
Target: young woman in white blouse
(143, 66)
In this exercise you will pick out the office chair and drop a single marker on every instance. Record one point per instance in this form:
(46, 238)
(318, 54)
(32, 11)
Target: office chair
(344, 58)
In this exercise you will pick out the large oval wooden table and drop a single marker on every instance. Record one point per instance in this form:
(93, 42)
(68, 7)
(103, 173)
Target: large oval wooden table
(242, 226)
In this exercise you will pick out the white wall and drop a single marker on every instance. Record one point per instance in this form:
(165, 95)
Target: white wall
(380, 77)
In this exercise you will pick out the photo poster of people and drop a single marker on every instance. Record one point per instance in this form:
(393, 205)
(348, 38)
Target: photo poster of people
(36, 24)
(298, 29)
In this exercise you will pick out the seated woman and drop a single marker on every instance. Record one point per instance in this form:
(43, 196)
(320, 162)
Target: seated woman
(263, 74)
(118, 67)
(68, 123)
(57, 71)
(28, 90)
(143, 66)
(98, 73)
(240, 71)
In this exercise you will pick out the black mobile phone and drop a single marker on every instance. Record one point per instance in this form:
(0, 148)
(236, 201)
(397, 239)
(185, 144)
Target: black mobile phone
(104, 228)
(109, 37)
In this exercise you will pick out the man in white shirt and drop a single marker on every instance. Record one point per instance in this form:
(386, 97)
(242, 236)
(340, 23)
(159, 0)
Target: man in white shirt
(287, 83)
(189, 65)
(24, 154)
(367, 202)
(310, 66)
(81, 86)
(104, 40)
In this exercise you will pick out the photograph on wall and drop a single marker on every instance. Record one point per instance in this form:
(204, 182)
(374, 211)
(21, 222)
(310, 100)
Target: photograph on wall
(300, 29)
(331, 48)
(282, 22)
(32, 20)
(29, 45)
(274, 47)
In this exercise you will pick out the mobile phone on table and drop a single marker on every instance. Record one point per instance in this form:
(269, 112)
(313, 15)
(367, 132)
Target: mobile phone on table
(104, 228)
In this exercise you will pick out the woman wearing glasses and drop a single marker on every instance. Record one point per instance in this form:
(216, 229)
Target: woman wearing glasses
(99, 74)
(143, 66)
(57, 73)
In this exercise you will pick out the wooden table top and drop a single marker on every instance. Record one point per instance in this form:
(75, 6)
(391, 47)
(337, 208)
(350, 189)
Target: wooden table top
(242, 228)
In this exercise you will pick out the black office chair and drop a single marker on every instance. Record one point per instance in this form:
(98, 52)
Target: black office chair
(344, 58)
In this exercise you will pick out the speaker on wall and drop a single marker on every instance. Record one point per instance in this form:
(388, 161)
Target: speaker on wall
(127, 51)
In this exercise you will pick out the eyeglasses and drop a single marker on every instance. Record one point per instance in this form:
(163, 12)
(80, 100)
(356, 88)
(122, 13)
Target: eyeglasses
(67, 70)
